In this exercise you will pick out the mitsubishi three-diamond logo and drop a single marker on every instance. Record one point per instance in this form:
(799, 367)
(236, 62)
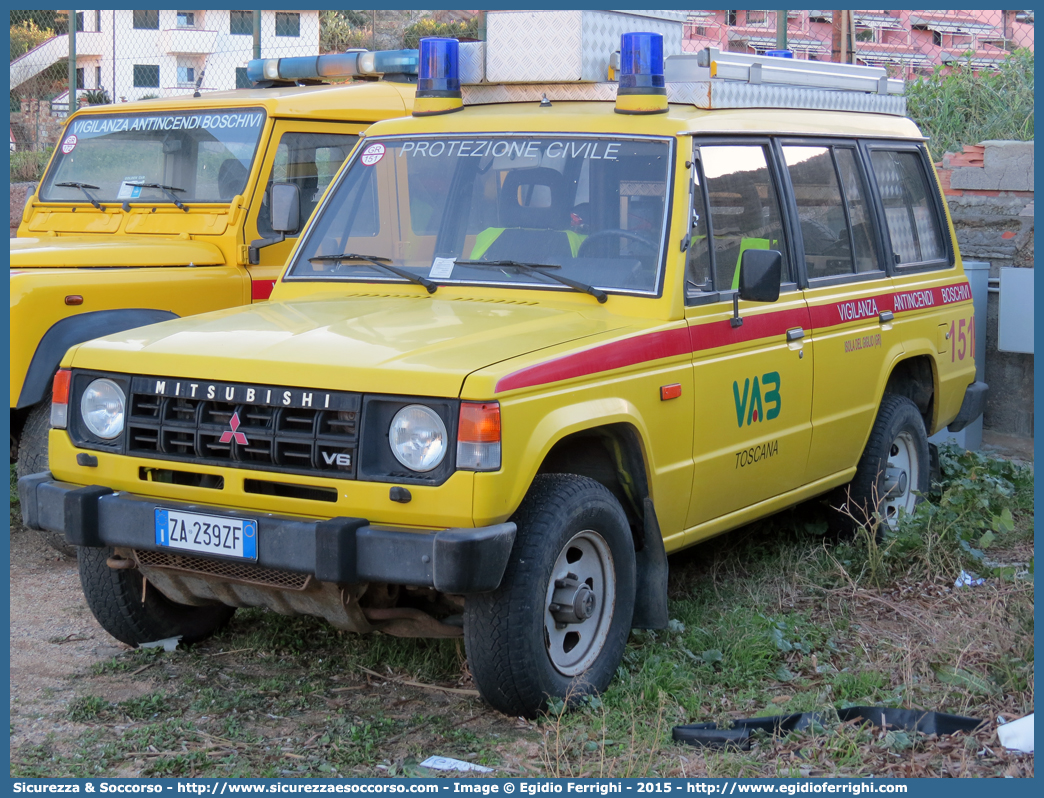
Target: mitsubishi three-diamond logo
(228, 435)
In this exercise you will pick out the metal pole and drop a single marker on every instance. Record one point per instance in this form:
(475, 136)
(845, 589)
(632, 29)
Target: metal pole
(781, 30)
(72, 61)
(257, 34)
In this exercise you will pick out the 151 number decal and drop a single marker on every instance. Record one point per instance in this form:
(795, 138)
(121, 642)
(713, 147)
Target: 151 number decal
(962, 339)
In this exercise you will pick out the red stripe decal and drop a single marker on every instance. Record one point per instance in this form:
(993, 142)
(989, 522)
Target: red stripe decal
(618, 354)
(261, 289)
(762, 325)
(697, 338)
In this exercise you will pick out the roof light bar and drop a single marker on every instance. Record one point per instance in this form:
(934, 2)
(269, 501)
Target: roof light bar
(334, 65)
(642, 89)
(438, 82)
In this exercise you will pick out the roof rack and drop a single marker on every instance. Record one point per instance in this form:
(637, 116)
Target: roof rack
(711, 79)
(764, 69)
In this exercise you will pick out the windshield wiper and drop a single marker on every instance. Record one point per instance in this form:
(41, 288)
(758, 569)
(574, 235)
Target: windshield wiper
(83, 187)
(538, 268)
(168, 190)
(378, 261)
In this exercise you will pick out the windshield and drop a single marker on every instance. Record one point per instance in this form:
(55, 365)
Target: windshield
(590, 209)
(202, 156)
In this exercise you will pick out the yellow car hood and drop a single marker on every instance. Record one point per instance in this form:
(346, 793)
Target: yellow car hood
(73, 252)
(405, 344)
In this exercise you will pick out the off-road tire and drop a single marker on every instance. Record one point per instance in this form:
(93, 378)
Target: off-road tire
(115, 599)
(32, 459)
(504, 631)
(898, 421)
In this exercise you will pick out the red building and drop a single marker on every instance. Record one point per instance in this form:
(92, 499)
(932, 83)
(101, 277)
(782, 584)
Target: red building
(909, 43)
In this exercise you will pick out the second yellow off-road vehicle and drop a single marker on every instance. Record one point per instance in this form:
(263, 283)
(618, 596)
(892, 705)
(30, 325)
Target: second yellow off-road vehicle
(534, 338)
(159, 209)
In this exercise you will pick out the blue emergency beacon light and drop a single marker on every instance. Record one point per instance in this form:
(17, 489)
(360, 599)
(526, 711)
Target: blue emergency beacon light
(641, 89)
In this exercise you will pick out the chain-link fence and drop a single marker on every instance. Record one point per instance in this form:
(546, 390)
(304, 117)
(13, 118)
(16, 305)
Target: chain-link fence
(128, 55)
(909, 44)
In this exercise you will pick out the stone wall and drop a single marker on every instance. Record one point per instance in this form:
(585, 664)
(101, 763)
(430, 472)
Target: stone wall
(35, 127)
(989, 188)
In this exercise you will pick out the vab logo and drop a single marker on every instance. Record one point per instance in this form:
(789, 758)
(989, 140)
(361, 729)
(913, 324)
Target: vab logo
(752, 406)
(228, 435)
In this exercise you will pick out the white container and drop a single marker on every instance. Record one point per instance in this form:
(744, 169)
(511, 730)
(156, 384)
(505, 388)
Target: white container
(566, 46)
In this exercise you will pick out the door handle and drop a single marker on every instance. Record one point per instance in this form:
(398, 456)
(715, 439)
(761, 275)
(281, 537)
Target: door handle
(795, 335)
(885, 316)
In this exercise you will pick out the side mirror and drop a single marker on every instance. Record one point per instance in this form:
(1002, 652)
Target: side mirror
(284, 215)
(285, 207)
(761, 271)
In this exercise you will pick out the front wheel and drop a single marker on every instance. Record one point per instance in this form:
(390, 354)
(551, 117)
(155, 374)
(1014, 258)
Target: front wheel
(894, 469)
(557, 625)
(134, 612)
(32, 459)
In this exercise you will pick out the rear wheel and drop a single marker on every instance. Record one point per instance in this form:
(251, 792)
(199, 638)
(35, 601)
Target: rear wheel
(894, 469)
(557, 625)
(32, 459)
(134, 612)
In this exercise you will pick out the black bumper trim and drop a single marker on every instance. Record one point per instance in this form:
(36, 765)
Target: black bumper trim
(340, 550)
(971, 408)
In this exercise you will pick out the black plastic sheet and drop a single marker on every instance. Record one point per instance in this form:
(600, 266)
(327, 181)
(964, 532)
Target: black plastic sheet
(708, 735)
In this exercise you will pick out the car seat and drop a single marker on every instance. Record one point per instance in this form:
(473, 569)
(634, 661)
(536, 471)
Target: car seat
(738, 220)
(231, 178)
(531, 233)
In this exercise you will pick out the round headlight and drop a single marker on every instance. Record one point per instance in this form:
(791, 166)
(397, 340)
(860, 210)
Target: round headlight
(101, 408)
(418, 438)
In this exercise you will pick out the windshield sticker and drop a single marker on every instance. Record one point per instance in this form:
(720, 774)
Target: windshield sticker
(372, 154)
(120, 124)
(127, 192)
(513, 148)
(442, 268)
(69, 144)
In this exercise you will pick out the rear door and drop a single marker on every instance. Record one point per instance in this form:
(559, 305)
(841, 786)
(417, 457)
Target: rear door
(849, 296)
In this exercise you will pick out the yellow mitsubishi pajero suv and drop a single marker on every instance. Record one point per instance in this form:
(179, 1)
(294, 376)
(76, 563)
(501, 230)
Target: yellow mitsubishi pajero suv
(534, 338)
(158, 209)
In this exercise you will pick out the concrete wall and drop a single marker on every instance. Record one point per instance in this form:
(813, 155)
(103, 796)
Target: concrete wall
(989, 188)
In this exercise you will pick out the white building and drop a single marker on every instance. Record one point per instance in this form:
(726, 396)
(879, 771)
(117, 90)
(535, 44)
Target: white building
(136, 54)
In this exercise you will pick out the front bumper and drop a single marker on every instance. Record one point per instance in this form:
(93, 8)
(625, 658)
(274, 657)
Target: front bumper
(339, 550)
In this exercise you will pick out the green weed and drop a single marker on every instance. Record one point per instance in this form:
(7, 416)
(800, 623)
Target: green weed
(87, 708)
(961, 105)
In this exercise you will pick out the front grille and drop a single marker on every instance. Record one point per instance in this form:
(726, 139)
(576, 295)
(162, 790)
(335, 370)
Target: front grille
(226, 569)
(267, 436)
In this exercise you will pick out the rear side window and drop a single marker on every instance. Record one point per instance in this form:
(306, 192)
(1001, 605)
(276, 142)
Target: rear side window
(910, 213)
(832, 212)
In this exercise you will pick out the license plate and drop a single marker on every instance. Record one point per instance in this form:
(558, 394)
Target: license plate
(206, 534)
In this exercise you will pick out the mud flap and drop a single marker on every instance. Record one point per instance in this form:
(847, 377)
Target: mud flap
(650, 594)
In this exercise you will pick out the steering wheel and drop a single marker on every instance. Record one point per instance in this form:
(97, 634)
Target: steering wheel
(620, 234)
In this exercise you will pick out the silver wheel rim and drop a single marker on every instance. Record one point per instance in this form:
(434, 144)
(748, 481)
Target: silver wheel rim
(898, 484)
(582, 583)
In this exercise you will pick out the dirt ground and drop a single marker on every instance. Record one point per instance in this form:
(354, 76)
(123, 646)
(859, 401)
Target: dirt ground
(277, 697)
(53, 637)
